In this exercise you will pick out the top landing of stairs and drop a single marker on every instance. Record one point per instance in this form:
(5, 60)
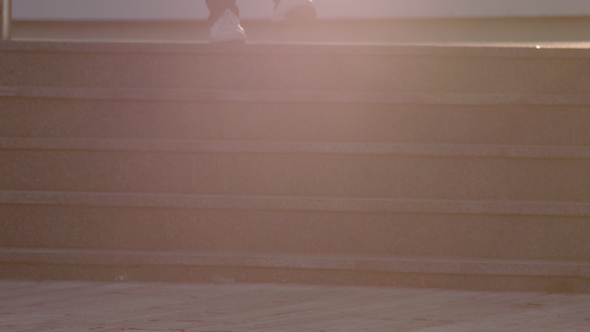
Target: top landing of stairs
(562, 32)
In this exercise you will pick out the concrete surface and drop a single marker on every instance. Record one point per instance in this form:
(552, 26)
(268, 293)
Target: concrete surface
(86, 306)
(276, 67)
(484, 150)
(258, 9)
(560, 31)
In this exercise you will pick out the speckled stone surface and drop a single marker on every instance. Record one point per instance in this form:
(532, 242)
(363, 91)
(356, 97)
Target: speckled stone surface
(288, 231)
(225, 274)
(296, 67)
(497, 179)
(103, 171)
(478, 153)
(293, 96)
(294, 148)
(425, 265)
(513, 120)
(228, 268)
(299, 174)
(292, 203)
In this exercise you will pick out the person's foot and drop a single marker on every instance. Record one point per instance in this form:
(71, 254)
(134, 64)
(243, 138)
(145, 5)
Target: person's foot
(227, 29)
(295, 11)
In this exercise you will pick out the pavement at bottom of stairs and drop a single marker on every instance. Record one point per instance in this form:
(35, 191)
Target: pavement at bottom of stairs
(222, 307)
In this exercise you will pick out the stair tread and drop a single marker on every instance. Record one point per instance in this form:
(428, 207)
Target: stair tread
(278, 147)
(405, 264)
(290, 203)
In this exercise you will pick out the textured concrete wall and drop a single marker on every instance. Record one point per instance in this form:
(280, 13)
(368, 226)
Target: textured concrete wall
(259, 9)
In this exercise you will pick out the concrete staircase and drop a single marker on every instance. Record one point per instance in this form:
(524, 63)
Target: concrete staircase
(461, 167)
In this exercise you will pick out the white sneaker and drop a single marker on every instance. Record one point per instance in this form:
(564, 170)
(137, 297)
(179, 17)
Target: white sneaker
(294, 11)
(227, 28)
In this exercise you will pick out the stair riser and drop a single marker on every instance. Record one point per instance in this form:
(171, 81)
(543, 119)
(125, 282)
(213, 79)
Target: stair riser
(206, 274)
(313, 175)
(303, 122)
(331, 71)
(419, 234)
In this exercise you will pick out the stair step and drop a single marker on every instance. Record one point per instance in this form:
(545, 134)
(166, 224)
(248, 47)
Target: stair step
(281, 147)
(296, 67)
(301, 116)
(219, 267)
(282, 169)
(500, 230)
